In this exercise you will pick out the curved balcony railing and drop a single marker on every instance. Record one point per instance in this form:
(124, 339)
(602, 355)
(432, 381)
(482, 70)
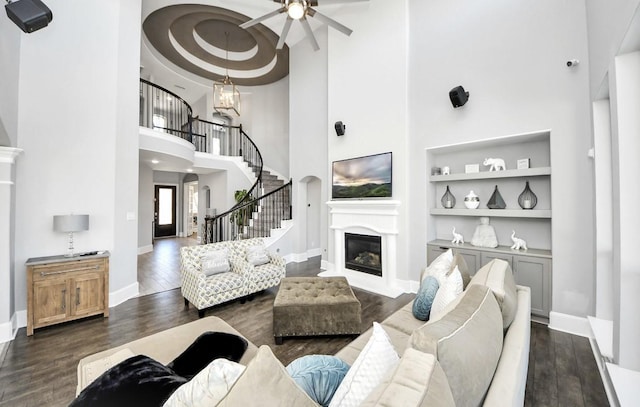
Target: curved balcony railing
(163, 110)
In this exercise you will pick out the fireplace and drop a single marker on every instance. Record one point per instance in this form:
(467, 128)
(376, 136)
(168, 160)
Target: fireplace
(376, 219)
(363, 253)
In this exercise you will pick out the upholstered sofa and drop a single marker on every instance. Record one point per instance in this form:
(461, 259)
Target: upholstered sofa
(475, 352)
(242, 279)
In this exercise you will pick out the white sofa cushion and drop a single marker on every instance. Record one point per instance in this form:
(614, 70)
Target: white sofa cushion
(208, 387)
(449, 289)
(377, 359)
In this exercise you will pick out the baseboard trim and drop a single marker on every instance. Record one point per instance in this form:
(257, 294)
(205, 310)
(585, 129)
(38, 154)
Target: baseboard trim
(569, 324)
(300, 257)
(123, 294)
(145, 249)
(8, 330)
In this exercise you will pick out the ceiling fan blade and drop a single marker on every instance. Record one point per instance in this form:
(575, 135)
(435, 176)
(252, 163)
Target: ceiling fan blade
(285, 31)
(329, 21)
(309, 31)
(255, 21)
(330, 2)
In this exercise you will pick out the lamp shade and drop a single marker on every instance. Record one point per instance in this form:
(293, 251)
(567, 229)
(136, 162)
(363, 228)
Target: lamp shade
(70, 223)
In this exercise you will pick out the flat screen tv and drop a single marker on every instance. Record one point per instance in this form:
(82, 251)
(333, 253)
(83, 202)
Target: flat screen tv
(362, 177)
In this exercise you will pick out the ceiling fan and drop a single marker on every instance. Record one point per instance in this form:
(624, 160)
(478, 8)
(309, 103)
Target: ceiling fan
(300, 10)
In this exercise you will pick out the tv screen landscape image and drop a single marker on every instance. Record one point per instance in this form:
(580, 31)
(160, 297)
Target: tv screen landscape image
(362, 177)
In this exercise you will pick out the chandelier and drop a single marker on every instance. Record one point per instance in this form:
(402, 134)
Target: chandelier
(226, 96)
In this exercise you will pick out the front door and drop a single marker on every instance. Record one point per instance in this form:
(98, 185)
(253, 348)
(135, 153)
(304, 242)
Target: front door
(165, 211)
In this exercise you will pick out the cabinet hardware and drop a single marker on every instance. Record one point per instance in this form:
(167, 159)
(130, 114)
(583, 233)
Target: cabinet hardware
(43, 274)
(77, 295)
(64, 302)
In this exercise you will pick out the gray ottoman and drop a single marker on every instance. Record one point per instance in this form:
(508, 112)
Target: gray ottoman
(306, 306)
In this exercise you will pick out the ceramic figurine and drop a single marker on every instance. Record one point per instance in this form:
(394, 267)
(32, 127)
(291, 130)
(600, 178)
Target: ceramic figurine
(517, 242)
(457, 237)
(485, 234)
(496, 164)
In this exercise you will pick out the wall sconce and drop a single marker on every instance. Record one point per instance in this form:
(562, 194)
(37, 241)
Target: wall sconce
(340, 128)
(70, 224)
(29, 15)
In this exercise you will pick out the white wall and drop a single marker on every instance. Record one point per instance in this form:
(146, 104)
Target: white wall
(265, 118)
(10, 40)
(626, 218)
(510, 55)
(145, 206)
(607, 23)
(73, 141)
(309, 133)
(367, 90)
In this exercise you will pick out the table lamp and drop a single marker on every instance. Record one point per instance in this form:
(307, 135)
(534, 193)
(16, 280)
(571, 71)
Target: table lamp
(70, 224)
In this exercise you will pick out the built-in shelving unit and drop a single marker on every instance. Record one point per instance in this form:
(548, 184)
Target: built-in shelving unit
(503, 213)
(529, 172)
(531, 267)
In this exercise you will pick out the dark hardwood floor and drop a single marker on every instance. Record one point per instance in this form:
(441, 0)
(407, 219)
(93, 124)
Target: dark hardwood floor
(41, 370)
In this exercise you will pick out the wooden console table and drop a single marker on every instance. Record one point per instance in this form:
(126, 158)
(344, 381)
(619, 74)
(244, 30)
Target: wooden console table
(61, 289)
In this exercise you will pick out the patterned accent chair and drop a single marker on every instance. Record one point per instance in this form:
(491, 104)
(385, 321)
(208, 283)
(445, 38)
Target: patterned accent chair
(206, 291)
(259, 277)
(242, 280)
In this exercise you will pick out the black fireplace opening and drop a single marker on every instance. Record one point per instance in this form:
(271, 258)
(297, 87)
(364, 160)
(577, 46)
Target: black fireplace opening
(363, 253)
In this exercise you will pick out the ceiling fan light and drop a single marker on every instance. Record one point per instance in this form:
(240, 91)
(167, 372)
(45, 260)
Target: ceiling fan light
(295, 9)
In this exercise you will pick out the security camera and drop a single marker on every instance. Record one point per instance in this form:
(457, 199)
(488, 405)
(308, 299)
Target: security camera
(572, 62)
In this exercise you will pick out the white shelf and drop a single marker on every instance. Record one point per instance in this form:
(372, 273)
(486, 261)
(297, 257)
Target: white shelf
(499, 249)
(498, 213)
(529, 172)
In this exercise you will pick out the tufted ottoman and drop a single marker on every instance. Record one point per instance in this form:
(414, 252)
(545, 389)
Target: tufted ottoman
(315, 306)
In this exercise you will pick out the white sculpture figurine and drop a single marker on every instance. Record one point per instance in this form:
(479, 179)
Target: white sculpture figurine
(485, 234)
(496, 164)
(457, 237)
(517, 242)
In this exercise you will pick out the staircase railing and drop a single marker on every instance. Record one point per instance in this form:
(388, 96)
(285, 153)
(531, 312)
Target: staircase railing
(161, 109)
(240, 222)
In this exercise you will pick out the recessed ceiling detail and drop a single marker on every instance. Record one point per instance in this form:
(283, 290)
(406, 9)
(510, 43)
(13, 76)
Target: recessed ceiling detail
(193, 37)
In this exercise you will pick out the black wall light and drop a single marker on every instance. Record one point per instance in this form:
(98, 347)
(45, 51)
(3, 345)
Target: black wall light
(340, 128)
(458, 96)
(29, 15)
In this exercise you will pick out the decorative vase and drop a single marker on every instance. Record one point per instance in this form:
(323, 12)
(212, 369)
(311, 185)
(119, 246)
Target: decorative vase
(527, 199)
(472, 201)
(448, 200)
(496, 201)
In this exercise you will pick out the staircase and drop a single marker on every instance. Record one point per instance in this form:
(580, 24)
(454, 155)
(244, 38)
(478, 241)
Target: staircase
(268, 214)
(267, 203)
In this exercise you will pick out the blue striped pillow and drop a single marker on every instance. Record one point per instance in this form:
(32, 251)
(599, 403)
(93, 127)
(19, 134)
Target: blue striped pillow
(424, 299)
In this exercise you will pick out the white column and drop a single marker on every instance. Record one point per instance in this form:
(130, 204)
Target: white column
(8, 325)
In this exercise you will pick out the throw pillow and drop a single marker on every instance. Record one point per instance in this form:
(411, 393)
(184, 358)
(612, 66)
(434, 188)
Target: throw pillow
(440, 267)
(423, 301)
(497, 275)
(450, 288)
(318, 375)
(257, 255)
(137, 381)
(377, 359)
(461, 263)
(207, 347)
(208, 387)
(265, 382)
(215, 262)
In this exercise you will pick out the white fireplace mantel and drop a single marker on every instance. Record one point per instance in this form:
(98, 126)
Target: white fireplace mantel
(366, 217)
